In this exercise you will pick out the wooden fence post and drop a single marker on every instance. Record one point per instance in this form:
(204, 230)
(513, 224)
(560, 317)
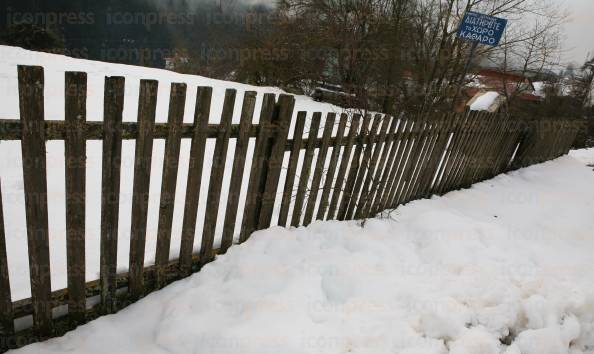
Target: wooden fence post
(6, 314)
(344, 164)
(147, 104)
(201, 115)
(75, 162)
(110, 188)
(306, 169)
(253, 201)
(324, 201)
(241, 146)
(319, 169)
(281, 122)
(291, 170)
(34, 177)
(177, 102)
(213, 198)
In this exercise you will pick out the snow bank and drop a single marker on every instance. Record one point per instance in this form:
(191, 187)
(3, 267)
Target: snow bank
(503, 267)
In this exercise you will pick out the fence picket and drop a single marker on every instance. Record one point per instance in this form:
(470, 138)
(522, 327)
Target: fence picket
(344, 163)
(241, 146)
(216, 179)
(201, 115)
(391, 166)
(395, 180)
(177, 102)
(110, 188)
(367, 184)
(292, 168)
(75, 160)
(353, 169)
(364, 167)
(257, 180)
(147, 104)
(368, 206)
(6, 313)
(281, 121)
(305, 169)
(324, 202)
(31, 83)
(319, 169)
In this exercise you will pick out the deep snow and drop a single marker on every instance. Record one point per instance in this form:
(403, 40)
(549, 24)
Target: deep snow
(506, 261)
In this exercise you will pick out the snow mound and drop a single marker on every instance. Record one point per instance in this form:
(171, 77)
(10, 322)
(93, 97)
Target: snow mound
(503, 267)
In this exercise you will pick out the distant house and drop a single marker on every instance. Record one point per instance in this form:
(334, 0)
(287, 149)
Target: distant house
(489, 81)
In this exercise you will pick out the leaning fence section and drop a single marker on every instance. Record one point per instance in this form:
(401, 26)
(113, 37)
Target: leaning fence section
(362, 164)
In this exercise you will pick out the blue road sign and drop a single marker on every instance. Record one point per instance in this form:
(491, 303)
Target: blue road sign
(482, 28)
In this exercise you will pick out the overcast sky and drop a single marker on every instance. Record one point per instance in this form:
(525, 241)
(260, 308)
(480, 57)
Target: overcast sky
(579, 30)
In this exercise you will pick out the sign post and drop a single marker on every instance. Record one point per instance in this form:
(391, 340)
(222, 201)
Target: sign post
(479, 29)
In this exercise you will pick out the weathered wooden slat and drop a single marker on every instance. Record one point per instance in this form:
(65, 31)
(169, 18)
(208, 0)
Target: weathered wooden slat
(147, 104)
(353, 169)
(177, 102)
(6, 312)
(75, 162)
(364, 167)
(442, 134)
(291, 169)
(319, 169)
(241, 146)
(360, 211)
(215, 185)
(460, 151)
(446, 148)
(452, 150)
(391, 166)
(411, 162)
(418, 164)
(258, 172)
(324, 201)
(110, 188)
(201, 115)
(281, 121)
(395, 178)
(337, 191)
(31, 82)
(421, 168)
(305, 169)
(367, 208)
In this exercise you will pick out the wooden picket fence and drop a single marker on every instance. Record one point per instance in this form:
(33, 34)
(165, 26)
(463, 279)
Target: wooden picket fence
(371, 163)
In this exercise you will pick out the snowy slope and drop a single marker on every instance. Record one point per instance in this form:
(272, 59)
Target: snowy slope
(11, 166)
(507, 261)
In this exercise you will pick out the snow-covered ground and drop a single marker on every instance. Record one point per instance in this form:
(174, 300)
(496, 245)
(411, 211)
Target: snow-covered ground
(584, 155)
(503, 267)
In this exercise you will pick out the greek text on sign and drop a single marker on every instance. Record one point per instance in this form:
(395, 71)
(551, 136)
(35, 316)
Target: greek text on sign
(482, 28)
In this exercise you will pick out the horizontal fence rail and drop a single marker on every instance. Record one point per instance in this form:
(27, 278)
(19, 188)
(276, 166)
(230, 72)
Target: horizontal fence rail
(361, 164)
